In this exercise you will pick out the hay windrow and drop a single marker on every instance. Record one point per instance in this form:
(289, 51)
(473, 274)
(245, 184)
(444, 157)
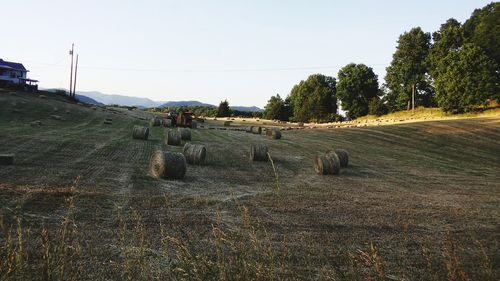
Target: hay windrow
(185, 133)
(258, 152)
(167, 165)
(273, 134)
(195, 153)
(140, 132)
(173, 137)
(343, 157)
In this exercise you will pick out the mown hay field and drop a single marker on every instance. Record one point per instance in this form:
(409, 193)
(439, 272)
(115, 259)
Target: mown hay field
(418, 201)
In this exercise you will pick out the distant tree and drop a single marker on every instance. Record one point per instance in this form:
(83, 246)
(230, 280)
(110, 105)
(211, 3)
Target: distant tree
(377, 107)
(314, 99)
(409, 68)
(448, 38)
(357, 86)
(486, 33)
(275, 108)
(223, 110)
(466, 78)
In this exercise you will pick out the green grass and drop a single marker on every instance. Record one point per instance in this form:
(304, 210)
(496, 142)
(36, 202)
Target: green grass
(419, 201)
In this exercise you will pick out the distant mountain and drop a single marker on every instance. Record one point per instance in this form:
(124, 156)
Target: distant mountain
(185, 103)
(87, 100)
(247, 108)
(120, 100)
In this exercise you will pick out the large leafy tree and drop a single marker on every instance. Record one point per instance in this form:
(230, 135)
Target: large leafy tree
(409, 68)
(448, 38)
(276, 109)
(314, 99)
(466, 78)
(357, 86)
(483, 30)
(223, 109)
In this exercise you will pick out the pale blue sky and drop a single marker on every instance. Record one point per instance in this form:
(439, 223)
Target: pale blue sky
(244, 51)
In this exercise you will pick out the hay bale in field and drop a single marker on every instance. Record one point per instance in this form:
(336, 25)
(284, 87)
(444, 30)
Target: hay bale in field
(258, 152)
(57, 117)
(327, 164)
(343, 157)
(155, 121)
(106, 122)
(140, 132)
(300, 124)
(109, 119)
(256, 130)
(185, 133)
(273, 134)
(248, 129)
(6, 159)
(227, 123)
(167, 122)
(195, 153)
(42, 96)
(173, 137)
(194, 125)
(167, 165)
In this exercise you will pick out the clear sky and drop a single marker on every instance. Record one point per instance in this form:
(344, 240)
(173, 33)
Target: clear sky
(244, 51)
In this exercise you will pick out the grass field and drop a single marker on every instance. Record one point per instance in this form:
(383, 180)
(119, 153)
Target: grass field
(419, 201)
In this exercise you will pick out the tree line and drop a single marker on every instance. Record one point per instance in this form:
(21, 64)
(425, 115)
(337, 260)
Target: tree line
(455, 68)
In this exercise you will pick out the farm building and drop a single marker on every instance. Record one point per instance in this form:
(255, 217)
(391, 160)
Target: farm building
(14, 74)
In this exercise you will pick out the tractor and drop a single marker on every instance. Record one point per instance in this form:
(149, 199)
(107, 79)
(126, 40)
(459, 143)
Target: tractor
(181, 119)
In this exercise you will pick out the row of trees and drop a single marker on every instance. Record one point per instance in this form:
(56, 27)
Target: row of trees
(455, 68)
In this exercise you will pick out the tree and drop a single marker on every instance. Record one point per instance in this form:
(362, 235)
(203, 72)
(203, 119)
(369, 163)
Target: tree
(314, 99)
(357, 86)
(223, 110)
(448, 38)
(408, 69)
(466, 78)
(486, 34)
(276, 109)
(377, 107)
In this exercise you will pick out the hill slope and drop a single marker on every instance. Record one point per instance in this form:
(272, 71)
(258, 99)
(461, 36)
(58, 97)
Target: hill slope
(413, 194)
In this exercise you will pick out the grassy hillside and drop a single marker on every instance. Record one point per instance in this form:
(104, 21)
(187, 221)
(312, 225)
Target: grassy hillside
(419, 201)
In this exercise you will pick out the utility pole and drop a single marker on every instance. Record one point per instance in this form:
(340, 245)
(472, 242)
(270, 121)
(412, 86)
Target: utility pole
(74, 84)
(71, 71)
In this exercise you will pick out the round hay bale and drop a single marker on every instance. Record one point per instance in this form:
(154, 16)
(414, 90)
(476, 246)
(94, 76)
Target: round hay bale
(256, 130)
(273, 134)
(300, 124)
(248, 129)
(343, 157)
(36, 123)
(195, 153)
(167, 165)
(6, 159)
(107, 122)
(42, 96)
(185, 133)
(258, 152)
(155, 121)
(327, 164)
(167, 122)
(227, 123)
(173, 137)
(194, 124)
(140, 132)
(108, 119)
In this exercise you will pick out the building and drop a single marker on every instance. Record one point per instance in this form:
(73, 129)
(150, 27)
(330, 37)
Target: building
(13, 74)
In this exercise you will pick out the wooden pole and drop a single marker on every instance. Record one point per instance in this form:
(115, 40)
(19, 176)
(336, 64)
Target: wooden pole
(71, 70)
(413, 99)
(74, 84)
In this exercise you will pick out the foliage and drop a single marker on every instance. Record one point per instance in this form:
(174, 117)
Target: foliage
(466, 79)
(377, 107)
(314, 99)
(223, 110)
(276, 109)
(409, 68)
(448, 38)
(357, 86)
